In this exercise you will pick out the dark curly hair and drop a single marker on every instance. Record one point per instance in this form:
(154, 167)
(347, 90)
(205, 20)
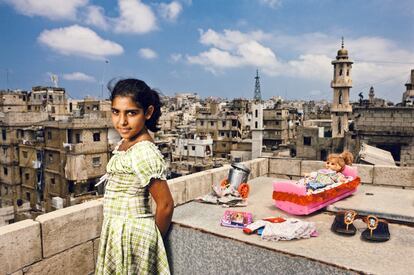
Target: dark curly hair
(141, 94)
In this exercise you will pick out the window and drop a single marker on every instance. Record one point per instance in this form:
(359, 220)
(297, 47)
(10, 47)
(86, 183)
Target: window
(185, 147)
(3, 134)
(50, 158)
(26, 176)
(50, 97)
(255, 113)
(49, 135)
(223, 123)
(347, 72)
(28, 196)
(223, 145)
(193, 148)
(4, 150)
(222, 134)
(307, 141)
(340, 97)
(77, 137)
(96, 161)
(24, 154)
(5, 171)
(29, 107)
(202, 123)
(96, 137)
(340, 72)
(256, 124)
(234, 122)
(52, 181)
(212, 123)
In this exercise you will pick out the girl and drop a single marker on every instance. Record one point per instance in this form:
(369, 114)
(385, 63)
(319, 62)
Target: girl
(131, 238)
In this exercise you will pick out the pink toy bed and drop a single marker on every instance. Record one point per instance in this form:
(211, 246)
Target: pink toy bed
(294, 199)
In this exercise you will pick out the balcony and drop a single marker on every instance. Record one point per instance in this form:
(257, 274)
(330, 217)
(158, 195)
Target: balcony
(61, 242)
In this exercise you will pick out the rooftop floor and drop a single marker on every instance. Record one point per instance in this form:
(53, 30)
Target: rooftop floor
(349, 253)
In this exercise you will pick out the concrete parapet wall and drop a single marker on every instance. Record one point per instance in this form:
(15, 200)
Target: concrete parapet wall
(70, 226)
(20, 245)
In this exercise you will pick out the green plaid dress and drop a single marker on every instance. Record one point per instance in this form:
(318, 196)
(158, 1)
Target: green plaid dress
(130, 242)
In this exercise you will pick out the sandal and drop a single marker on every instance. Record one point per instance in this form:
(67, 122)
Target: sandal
(343, 223)
(377, 230)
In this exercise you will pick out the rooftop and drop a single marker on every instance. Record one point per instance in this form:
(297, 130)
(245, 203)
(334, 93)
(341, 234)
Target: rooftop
(65, 241)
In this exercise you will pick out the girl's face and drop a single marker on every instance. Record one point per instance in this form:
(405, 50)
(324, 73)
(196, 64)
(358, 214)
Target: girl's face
(333, 165)
(127, 118)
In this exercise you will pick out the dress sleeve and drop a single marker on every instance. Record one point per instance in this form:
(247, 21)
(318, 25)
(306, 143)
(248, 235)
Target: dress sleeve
(148, 163)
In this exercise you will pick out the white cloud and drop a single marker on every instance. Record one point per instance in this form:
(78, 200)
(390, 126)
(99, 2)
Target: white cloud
(307, 56)
(52, 9)
(175, 57)
(233, 49)
(271, 3)
(94, 15)
(147, 53)
(80, 41)
(78, 76)
(170, 11)
(135, 17)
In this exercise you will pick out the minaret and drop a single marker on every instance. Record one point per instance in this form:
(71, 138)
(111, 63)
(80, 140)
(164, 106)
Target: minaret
(341, 84)
(257, 120)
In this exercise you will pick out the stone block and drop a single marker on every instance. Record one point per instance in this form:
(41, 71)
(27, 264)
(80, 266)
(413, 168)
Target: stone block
(365, 172)
(95, 250)
(71, 226)
(284, 166)
(75, 261)
(264, 166)
(20, 245)
(177, 188)
(308, 166)
(392, 175)
(198, 184)
(254, 168)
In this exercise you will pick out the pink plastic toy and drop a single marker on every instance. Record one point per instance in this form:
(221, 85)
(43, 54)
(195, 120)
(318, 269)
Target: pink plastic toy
(293, 198)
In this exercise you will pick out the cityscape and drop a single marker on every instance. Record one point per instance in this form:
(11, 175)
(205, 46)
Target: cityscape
(57, 135)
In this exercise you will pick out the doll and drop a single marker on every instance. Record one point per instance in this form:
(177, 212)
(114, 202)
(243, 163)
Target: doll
(333, 172)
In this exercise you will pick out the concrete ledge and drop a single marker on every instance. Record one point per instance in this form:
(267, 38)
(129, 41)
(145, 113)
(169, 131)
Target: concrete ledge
(365, 172)
(198, 184)
(220, 173)
(308, 166)
(20, 245)
(178, 190)
(71, 226)
(77, 260)
(290, 167)
(389, 175)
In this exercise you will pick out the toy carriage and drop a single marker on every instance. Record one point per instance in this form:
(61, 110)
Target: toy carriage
(296, 199)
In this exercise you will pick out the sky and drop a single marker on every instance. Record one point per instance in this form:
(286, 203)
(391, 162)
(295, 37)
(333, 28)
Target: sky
(208, 47)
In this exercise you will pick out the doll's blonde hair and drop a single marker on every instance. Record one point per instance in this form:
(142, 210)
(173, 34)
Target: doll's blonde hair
(344, 158)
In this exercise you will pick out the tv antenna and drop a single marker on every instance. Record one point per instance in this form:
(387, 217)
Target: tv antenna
(55, 79)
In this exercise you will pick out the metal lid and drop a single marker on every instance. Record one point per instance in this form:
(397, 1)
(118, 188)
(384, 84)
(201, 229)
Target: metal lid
(241, 167)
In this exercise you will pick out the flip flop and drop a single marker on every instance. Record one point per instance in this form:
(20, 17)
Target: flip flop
(377, 230)
(343, 223)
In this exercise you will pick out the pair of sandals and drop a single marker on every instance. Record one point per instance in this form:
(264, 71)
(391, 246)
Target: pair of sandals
(377, 229)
